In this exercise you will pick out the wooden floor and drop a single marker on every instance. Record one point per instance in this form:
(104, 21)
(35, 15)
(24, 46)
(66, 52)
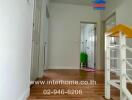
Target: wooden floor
(89, 92)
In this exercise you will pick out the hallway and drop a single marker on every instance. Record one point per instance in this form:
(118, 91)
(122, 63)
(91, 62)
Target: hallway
(89, 92)
(41, 40)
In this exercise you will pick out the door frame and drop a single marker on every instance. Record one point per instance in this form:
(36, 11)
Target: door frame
(104, 30)
(95, 46)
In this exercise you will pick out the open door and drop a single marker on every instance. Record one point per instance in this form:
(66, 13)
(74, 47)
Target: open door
(88, 44)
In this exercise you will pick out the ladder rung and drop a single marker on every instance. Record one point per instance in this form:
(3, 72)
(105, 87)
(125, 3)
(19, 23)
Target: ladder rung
(118, 58)
(113, 71)
(118, 81)
(128, 48)
(114, 46)
(114, 58)
(119, 69)
(114, 84)
(129, 58)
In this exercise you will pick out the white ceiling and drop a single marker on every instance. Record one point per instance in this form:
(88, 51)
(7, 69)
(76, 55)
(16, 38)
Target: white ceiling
(78, 2)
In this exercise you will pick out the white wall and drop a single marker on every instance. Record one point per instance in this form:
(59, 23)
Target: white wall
(123, 13)
(15, 48)
(111, 6)
(64, 34)
(122, 9)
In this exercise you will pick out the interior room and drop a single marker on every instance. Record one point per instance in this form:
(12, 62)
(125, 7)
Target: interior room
(65, 50)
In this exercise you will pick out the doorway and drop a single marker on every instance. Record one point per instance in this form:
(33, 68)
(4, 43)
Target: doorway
(88, 45)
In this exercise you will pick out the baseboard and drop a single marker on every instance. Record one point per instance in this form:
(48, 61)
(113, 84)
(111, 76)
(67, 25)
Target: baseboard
(25, 95)
(63, 67)
(71, 67)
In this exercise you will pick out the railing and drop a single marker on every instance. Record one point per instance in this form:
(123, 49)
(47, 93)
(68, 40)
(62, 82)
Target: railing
(122, 32)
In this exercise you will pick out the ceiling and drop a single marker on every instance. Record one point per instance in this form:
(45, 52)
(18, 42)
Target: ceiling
(78, 2)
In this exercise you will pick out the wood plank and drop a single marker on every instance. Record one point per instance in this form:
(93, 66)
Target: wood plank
(89, 92)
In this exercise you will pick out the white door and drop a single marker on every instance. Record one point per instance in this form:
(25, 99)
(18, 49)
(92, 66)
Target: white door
(46, 46)
(90, 47)
(36, 40)
(44, 37)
